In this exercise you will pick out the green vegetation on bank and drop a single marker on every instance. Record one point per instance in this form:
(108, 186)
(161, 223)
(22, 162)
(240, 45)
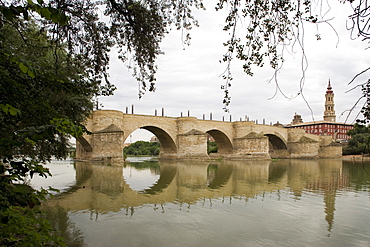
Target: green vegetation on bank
(359, 142)
(142, 148)
(212, 147)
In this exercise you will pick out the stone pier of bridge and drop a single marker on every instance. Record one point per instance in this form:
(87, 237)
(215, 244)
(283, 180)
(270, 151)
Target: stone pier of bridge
(186, 138)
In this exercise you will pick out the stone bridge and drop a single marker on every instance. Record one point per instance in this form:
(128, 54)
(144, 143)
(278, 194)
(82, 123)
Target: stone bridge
(186, 138)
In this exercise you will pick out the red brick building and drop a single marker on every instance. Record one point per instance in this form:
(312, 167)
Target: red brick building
(337, 130)
(328, 126)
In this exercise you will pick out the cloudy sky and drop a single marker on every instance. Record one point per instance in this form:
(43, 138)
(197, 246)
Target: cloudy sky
(188, 78)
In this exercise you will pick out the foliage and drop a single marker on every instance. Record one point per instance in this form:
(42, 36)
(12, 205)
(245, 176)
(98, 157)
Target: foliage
(365, 110)
(54, 59)
(360, 140)
(212, 147)
(142, 148)
(45, 97)
(25, 227)
(37, 113)
(136, 28)
(261, 31)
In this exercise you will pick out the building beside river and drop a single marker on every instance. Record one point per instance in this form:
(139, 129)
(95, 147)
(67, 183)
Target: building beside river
(327, 126)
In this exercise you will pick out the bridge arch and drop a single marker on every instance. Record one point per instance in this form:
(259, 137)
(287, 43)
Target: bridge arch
(224, 144)
(277, 141)
(278, 147)
(167, 144)
(85, 144)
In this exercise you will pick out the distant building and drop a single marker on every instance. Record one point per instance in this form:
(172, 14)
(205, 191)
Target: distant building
(210, 138)
(297, 119)
(329, 113)
(328, 126)
(277, 124)
(154, 139)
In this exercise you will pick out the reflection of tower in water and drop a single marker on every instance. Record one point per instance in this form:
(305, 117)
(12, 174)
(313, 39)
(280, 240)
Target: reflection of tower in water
(328, 183)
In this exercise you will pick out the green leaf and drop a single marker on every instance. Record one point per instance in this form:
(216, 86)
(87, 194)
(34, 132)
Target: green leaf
(55, 17)
(8, 109)
(63, 20)
(7, 13)
(13, 111)
(26, 69)
(23, 67)
(30, 73)
(28, 140)
(45, 12)
(66, 126)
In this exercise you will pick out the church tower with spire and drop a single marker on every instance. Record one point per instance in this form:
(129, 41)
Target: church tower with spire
(328, 126)
(329, 113)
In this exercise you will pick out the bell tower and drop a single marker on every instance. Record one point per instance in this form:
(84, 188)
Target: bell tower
(329, 113)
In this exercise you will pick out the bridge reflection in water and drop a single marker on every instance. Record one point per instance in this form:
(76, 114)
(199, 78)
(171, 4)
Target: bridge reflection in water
(102, 189)
(229, 203)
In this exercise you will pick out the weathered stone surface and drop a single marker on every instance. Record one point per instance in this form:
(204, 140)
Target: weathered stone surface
(186, 138)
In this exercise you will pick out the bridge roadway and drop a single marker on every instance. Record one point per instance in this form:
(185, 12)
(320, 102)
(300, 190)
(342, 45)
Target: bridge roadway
(186, 138)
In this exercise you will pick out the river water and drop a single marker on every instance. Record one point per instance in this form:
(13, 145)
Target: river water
(229, 203)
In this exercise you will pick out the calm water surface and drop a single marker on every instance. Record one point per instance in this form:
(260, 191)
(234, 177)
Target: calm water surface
(229, 203)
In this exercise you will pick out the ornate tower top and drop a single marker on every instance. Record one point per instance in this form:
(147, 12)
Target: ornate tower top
(329, 113)
(329, 91)
(297, 119)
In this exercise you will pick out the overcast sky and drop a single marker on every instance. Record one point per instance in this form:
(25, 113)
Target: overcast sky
(189, 79)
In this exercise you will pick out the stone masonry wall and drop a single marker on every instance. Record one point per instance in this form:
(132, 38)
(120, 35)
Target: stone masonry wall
(186, 138)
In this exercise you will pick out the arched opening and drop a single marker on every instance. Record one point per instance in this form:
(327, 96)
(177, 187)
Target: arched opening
(84, 143)
(224, 145)
(153, 135)
(276, 142)
(167, 144)
(277, 147)
(141, 143)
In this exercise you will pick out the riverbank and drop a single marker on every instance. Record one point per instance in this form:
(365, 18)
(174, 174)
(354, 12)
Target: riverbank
(357, 158)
